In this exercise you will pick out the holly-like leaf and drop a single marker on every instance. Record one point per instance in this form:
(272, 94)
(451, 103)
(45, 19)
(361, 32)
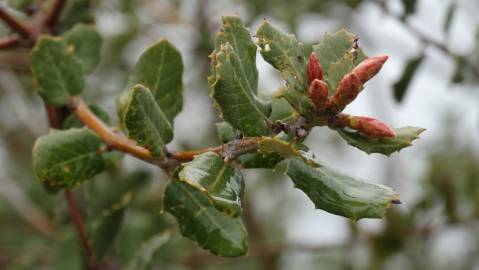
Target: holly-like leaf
(144, 256)
(269, 145)
(85, 42)
(67, 157)
(286, 54)
(401, 86)
(340, 194)
(145, 122)
(222, 183)
(200, 221)
(386, 146)
(234, 80)
(160, 69)
(72, 121)
(109, 225)
(56, 70)
(337, 56)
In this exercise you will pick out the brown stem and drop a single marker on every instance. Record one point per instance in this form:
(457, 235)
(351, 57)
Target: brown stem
(230, 151)
(78, 222)
(15, 24)
(9, 41)
(54, 14)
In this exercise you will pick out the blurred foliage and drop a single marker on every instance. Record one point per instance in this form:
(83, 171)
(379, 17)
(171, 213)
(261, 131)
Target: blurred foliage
(448, 200)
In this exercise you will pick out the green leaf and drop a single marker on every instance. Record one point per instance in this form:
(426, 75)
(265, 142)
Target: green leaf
(340, 194)
(286, 54)
(401, 86)
(222, 183)
(335, 55)
(145, 122)
(72, 121)
(74, 12)
(201, 222)
(281, 110)
(234, 80)
(225, 132)
(160, 69)
(56, 70)
(269, 145)
(409, 7)
(451, 10)
(65, 158)
(146, 253)
(85, 43)
(108, 226)
(20, 5)
(385, 146)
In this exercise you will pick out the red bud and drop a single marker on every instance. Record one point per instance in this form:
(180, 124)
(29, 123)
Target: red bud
(315, 71)
(370, 127)
(347, 90)
(318, 93)
(369, 67)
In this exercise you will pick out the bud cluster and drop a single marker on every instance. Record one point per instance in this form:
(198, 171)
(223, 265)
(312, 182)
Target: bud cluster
(347, 90)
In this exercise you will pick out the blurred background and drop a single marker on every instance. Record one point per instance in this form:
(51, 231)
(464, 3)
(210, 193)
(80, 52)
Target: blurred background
(431, 81)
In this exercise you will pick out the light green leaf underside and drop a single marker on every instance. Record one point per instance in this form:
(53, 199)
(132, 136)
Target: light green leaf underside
(335, 55)
(145, 255)
(340, 194)
(385, 146)
(67, 157)
(160, 69)
(269, 145)
(286, 54)
(56, 70)
(85, 43)
(234, 79)
(145, 122)
(201, 222)
(223, 184)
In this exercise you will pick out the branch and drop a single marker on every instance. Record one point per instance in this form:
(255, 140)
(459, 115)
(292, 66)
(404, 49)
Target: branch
(15, 24)
(9, 41)
(425, 39)
(78, 222)
(54, 14)
(229, 151)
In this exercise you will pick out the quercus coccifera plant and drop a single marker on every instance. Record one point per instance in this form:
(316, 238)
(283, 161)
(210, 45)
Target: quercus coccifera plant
(206, 186)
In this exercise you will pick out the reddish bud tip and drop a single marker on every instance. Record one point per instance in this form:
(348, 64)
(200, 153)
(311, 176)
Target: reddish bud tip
(370, 127)
(347, 90)
(369, 67)
(318, 93)
(315, 71)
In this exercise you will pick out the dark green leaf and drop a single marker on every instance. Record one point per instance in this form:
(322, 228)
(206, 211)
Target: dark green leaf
(286, 149)
(85, 43)
(225, 132)
(282, 110)
(259, 160)
(286, 54)
(145, 254)
(340, 194)
(401, 86)
(67, 157)
(335, 53)
(72, 122)
(145, 122)
(234, 80)
(458, 75)
(108, 226)
(409, 7)
(160, 69)
(385, 146)
(450, 15)
(222, 183)
(56, 70)
(201, 222)
(76, 11)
